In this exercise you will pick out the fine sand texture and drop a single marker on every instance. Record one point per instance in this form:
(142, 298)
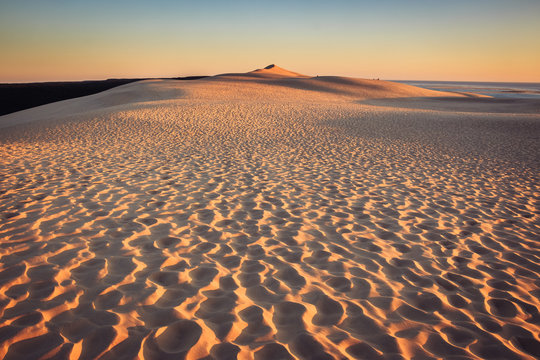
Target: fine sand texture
(270, 215)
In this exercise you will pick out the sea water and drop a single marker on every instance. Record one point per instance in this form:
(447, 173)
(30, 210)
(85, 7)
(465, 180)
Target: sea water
(494, 89)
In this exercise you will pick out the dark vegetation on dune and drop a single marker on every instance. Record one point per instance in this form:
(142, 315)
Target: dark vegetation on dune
(16, 97)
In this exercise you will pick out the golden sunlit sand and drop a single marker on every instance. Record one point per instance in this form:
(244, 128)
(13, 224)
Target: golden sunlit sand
(270, 215)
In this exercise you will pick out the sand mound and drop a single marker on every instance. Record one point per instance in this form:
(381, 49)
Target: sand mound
(274, 70)
(269, 217)
(359, 89)
(228, 87)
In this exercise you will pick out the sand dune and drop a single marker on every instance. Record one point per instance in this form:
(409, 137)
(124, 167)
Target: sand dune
(269, 72)
(274, 70)
(269, 216)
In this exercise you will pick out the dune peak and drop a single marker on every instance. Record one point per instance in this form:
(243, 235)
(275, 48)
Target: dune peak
(275, 70)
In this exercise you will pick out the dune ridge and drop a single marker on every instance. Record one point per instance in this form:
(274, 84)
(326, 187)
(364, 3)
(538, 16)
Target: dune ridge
(268, 216)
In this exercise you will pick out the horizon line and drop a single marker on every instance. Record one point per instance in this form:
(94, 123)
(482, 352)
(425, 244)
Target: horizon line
(204, 76)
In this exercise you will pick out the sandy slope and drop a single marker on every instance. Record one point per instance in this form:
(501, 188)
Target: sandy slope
(270, 216)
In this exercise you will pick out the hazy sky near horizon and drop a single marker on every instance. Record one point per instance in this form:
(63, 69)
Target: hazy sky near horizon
(483, 40)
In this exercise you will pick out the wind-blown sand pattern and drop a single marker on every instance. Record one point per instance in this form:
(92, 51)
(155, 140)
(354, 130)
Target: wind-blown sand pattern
(270, 216)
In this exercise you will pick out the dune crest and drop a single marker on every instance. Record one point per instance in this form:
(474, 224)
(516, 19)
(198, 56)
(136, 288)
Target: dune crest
(275, 70)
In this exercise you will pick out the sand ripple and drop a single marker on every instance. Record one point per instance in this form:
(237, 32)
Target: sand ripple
(302, 226)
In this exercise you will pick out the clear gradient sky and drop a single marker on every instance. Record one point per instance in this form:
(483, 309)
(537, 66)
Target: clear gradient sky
(483, 40)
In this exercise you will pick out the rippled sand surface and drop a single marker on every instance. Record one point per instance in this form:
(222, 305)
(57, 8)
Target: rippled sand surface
(265, 217)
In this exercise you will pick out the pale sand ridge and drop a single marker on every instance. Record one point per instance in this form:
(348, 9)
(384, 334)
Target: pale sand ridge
(270, 215)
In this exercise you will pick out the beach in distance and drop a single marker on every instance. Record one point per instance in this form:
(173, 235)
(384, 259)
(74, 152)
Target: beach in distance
(272, 215)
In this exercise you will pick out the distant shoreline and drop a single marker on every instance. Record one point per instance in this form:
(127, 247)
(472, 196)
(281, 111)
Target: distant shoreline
(494, 89)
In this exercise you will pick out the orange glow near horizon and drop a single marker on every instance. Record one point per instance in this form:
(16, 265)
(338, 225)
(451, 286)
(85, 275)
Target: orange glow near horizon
(468, 43)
